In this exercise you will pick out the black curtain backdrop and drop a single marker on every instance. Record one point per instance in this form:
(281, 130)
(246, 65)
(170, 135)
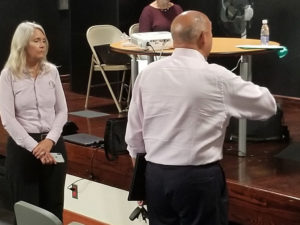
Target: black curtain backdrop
(69, 50)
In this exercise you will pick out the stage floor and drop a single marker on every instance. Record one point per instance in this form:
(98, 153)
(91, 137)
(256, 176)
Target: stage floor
(263, 189)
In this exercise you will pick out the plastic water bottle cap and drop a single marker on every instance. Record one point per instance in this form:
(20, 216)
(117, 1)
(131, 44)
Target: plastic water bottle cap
(265, 21)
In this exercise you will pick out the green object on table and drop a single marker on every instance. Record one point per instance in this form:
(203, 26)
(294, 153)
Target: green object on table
(282, 51)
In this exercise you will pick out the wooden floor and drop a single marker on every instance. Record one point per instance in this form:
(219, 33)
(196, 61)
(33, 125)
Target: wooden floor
(263, 189)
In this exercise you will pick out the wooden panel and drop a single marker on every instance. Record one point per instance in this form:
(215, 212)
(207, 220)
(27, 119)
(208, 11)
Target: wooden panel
(90, 163)
(255, 206)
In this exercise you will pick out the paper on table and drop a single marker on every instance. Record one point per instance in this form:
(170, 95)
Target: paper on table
(260, 46)
(281, 50)
(128, 44)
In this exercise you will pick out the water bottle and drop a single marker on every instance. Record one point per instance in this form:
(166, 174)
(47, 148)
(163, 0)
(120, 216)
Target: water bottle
(264, 33)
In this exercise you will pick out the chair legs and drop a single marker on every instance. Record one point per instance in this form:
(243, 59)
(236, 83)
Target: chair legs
(129, 92)
(89, 84)
(116, 101)
(118, 105)
(129, 88)
(122, 86)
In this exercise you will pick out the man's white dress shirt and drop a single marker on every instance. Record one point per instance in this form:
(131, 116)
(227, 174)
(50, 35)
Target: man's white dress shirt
(181, 106)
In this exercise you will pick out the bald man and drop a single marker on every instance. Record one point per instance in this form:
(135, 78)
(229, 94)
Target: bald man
(180, 108)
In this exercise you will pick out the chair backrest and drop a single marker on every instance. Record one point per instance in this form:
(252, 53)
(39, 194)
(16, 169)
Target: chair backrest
(28, 214)
(134, 28)
(102, 35)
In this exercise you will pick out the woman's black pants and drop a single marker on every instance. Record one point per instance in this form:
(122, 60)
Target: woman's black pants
(33, 182)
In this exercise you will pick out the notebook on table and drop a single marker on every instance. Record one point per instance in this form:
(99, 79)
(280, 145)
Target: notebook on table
(84, 139)
(137, 188)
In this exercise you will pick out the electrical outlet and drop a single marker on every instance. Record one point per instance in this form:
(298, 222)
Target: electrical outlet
(74, 189)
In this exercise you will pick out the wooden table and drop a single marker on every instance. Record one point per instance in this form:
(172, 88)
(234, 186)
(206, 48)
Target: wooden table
(222, 46)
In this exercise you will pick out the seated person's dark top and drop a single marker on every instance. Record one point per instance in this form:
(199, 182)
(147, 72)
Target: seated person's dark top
(153, 19)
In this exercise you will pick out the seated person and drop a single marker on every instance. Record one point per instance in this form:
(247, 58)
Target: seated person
(158, 16)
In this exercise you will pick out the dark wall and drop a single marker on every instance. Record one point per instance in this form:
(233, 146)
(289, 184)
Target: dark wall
(280, 75)
(45, 12)
(69, 49)
(84, 14)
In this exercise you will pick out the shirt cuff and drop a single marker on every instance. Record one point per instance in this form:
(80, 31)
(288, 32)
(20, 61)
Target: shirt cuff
(52, 137)
(30, 143)
(133, 151)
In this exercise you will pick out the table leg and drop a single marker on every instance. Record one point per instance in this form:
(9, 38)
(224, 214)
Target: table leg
(242, 151)
(150, 58)
(246, 74)
(135, 65)
(134, 69)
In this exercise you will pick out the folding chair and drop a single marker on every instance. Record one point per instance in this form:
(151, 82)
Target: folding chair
(134, 28)
(103, 60)
(28, 214)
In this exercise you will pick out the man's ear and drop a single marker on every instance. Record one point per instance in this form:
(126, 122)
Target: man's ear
(203, 43)
(202, 40)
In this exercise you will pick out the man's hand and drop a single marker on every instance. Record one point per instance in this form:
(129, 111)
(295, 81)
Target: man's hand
(133, 161)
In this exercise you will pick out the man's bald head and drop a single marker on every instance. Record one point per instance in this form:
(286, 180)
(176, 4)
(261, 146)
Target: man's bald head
(188, 27)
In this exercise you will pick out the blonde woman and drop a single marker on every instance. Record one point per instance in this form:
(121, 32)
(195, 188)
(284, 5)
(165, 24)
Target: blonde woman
(33, 111)
(158, 16)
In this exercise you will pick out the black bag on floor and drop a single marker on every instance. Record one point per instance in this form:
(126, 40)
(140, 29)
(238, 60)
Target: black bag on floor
(114, 138)
(271, 129)
(69, 128)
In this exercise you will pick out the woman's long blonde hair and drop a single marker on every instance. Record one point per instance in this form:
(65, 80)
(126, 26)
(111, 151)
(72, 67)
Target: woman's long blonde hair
(16, 61)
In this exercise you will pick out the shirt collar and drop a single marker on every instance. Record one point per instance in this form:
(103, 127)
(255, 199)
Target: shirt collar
(188, 52)
(27, 74)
